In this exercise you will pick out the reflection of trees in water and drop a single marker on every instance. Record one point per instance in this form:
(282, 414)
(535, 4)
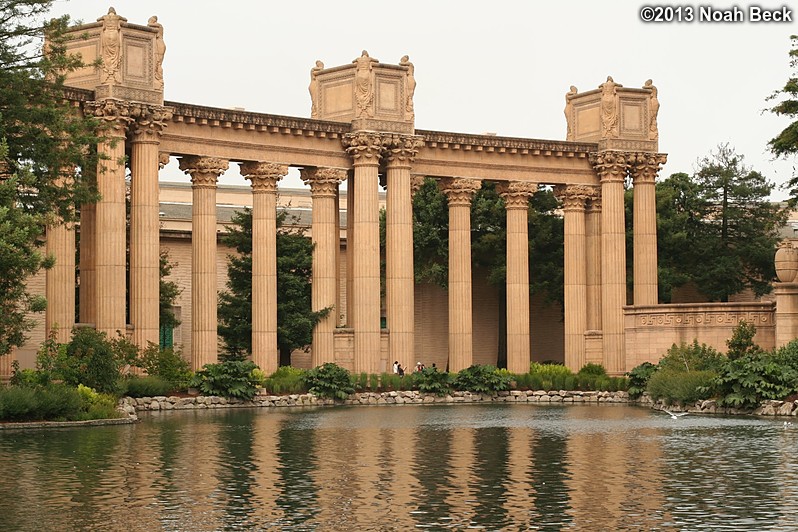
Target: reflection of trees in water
(490, 469)
(236, 437)
(432, 469)
(296, 456)
(548, 474)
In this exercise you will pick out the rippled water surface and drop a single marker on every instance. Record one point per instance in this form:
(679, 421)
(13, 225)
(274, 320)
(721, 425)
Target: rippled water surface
(509, 467)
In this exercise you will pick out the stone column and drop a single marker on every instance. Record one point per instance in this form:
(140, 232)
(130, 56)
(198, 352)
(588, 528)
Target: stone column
(516, 201)
(611, 167)
(264, 177)
(204, 172)
(145, 223)
(459, 193)
(365, 149)
(399, 280)
(109, 248)
(60, 279)
(593, 257)
(644, 169)
(60, 282)
(88, 272)
(324, 190)
(573, 199)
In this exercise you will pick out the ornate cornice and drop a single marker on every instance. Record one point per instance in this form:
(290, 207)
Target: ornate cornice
(148, 121)
(516, 194)
(365, 147)
(645, 166)
(462, 141)
(264, 175)
(459, 190)
(573, 197)
(114, 115)
(594, 199)
(400, 150)
(323, 181)
(611, 166)
(204, 171)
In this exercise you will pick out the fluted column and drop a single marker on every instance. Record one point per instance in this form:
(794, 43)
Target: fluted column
(264, 177)
(573, 199)
(516, 201)
(204, 172)
(88, 272)
(644, 169)
(60, 279)
(399, 280)
(365, 148)
(459, 193)
(60, 282)
(593, 257)
(324, 191)
(611, 167)
(109, 248)
(145, 223)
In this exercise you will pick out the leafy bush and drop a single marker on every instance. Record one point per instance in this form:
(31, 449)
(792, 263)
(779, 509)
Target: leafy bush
(639, 377)
(591, 368)
(166, 364)
(430, 380)
(481, 379)
(27, 377)
(741, 342)
(752, 378)
(95, 405)
(329, 380)
(390, 382)
(682, 387)
(90, 360)
(147, 386)
(231, 378)
(692, 357)
(52, 402)
(285, 380)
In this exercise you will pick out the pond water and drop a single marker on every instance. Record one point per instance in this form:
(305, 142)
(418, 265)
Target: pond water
(438, 467)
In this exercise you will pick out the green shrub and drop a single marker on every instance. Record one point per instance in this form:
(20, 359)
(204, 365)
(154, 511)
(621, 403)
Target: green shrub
(95, 405)
(147, 386)
(329, 380)
(360, 382)
(374, 382)
(754, 377)
(231, 378)
(681, 387)
(430, 380)
(89, 359)
(741, 342)
(548, 372)
(692, 357)
(591, 368)
(285, 380)
(390, 382)
(481, 379)
(54, 402)
(27, 377)
(167, 364)
(638, 378)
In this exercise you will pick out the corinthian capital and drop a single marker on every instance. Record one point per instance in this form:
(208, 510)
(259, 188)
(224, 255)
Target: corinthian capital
(459, 190)
(400, 150)
(204, 171)
(645, 166)
(365, 147)
(516, 194)
(611, 166)
(114, 115)
(148, 121)
(263, 175)
(573, 197)
(323, 181)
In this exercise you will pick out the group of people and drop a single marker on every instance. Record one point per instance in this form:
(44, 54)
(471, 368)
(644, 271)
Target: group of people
(399, 370)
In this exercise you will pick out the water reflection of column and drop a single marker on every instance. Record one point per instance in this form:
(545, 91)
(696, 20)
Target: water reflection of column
(462, 473)
(400, 467)
(519, 492)
(335, 458)
(266, 466)
(371, 500)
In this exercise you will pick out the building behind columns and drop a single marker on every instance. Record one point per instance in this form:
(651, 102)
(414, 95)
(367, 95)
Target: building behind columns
(361, 131)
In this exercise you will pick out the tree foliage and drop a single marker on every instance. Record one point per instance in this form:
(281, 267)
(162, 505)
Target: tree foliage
(295, 320)
(45, 153)
(168, 292)
(786, 104)
(716, 228)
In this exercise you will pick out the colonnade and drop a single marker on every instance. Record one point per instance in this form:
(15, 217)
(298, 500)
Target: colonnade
(595, 272)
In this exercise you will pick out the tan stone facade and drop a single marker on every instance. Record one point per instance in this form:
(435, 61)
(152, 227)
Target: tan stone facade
(362, 127)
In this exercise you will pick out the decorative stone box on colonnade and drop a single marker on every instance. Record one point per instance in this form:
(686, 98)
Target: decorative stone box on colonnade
(361, 129)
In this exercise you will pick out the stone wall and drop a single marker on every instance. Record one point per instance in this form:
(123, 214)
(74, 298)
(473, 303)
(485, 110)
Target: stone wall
(651, 330)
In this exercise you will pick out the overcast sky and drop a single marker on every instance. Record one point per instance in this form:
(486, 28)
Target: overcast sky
(495, 66)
